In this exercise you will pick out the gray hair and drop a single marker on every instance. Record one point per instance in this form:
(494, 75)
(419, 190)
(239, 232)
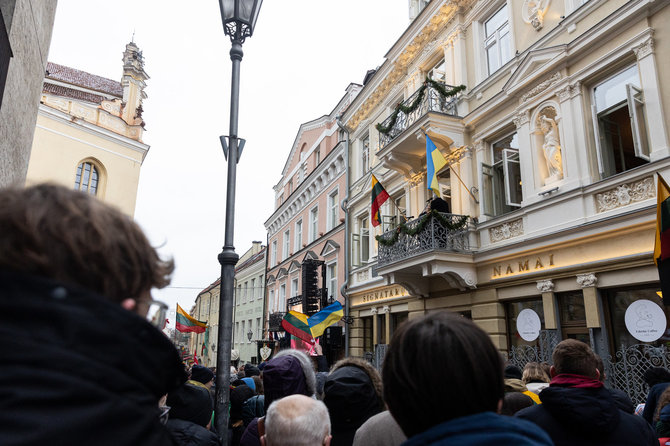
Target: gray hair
(297, 420)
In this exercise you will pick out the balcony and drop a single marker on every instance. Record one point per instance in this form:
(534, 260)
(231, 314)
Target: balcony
(274, 323)
(434, 245)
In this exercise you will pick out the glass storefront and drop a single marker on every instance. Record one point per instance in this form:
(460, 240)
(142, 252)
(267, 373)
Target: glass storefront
(618, 301)
(512, 310)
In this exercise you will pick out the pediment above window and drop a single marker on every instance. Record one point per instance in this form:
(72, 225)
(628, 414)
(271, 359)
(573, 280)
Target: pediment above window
(295, 266)
(536, 65)
(329, 248)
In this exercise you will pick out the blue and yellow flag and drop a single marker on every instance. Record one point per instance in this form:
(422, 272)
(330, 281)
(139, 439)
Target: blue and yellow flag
(325, 318)
(434, 162)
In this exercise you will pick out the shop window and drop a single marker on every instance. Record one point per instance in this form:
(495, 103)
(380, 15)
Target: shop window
(368, 343)
(618, 301)
(512, 310)
(619, 123)
(501, 180)
(381, 326)
(396, 320)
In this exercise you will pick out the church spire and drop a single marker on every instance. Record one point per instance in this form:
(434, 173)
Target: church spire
(133, 83)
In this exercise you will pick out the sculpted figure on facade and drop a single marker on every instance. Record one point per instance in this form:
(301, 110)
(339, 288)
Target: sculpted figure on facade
(551, 144)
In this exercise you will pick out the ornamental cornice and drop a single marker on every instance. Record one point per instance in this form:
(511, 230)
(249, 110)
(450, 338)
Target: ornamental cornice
(625, 194)
(413, 50)
(506, 230)
(646, 48)
(545, 286)
(521, 118)
(587, 280)
(542, 86)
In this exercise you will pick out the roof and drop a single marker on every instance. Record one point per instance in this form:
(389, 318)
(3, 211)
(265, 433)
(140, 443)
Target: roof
(83, 79)
(59, 90)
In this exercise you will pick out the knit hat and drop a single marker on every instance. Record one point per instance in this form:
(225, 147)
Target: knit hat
(250, 383)
(201, 374)
(512, 371)
(191, 403)
(251, 370)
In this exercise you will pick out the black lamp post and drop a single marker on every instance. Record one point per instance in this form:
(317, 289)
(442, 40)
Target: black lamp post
(250, 334)
(239, 18)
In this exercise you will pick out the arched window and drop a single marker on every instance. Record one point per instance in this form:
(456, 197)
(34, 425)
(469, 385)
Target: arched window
(87, 178)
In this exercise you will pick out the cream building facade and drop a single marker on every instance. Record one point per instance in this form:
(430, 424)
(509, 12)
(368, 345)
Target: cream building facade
(248, 310)
(206, 309)
(552, 153)
(89, 131)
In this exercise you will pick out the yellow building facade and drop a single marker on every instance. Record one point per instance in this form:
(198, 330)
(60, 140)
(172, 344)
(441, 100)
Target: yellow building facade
(89, 131)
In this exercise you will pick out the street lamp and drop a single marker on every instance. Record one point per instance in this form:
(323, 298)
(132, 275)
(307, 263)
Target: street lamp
(238, 18)
(250, 334)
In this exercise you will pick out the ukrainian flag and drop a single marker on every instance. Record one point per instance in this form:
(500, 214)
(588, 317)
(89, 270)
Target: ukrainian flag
(434, 162)
(325, 318)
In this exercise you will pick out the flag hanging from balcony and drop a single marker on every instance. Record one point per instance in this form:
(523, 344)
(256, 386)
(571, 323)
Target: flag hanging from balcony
(186, 323)
(662, 245)
(379, 196)
(434, 162)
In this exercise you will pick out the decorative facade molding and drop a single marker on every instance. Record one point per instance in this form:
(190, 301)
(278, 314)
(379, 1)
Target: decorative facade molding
(625, 194)
(645, 49)
(415, 180)
(374, 310)
(386, 309)
(532, 12)
(362, 275)
(545, 286)
(542, 86)
(587, 280)
(506, 230)
(521, 118)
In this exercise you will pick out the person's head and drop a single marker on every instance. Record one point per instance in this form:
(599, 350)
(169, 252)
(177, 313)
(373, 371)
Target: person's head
(251, 370)
(289, 372)
(456, 362)
(663, 401)
(656, 375)
(191, 403)
(533, 372)
(74, 238)
(574, 357)
(512, 372)
(514, 402)
(203, 375)
(296, 420)
(600, 365)
(352, 394)
(258, 383)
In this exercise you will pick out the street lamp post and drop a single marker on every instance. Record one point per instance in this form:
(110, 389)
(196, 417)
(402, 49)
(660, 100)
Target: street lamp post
(239, 18)
(250, 334)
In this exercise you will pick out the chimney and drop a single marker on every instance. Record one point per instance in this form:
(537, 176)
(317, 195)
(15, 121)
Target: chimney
(133, 83)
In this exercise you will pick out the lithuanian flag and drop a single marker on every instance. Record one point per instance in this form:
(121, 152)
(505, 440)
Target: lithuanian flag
(662, 245)
(185, 323)
(379, 196)
(296, 324)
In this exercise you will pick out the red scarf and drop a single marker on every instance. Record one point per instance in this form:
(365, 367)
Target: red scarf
(578, 381)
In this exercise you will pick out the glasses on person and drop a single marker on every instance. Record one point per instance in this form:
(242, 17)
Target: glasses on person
(157, 313)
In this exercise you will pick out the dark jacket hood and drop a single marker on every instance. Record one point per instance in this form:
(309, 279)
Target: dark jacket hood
(584, 410)
(290, 372)
(186, 433)
(80, 367)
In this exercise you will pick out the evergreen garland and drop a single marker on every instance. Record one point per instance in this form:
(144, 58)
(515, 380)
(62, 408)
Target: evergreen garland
(402, 227)
(415, 104)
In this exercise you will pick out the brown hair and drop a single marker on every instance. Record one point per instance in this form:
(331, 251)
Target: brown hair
(663, 401)
(434, 361)
(66, 235)
(533, 372)
(575, 357)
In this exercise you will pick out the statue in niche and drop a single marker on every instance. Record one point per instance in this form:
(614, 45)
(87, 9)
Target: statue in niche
(552, 148)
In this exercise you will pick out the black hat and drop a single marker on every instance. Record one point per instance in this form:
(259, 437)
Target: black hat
(251, 370)
(512, 371)
(201, 374)
(191, 403)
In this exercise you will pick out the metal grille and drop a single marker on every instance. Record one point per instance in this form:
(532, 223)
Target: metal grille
(376, 358)
(524, 354)
(434, 237)
(625, 370)
(432, 102)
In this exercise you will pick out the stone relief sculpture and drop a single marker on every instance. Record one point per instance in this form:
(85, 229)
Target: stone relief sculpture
(533, 11)
(552, 147)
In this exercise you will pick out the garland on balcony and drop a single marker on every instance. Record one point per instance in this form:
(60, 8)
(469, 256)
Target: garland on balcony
(415, 104)
(421, 225)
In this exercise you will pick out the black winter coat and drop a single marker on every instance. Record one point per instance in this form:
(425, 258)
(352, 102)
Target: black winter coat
(585, 417)
(78, 369)
(186, 433)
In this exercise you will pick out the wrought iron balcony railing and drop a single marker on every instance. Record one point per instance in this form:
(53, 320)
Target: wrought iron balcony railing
(431, 232)
(432, 101)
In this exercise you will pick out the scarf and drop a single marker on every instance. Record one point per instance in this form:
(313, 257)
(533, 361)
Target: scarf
(576, 381)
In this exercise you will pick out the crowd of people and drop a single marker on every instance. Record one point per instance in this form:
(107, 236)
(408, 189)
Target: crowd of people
(84, 365)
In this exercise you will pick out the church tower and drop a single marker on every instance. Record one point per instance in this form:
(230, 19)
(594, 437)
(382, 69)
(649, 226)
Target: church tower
(133, 83)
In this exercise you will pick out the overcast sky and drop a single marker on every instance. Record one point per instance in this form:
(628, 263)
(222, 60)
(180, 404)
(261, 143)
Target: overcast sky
(302, 56)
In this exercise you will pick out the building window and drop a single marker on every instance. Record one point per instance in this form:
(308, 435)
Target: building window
(282, 296)
(498, 40)
(333, 202)
(251, 329)
(243, 333)
(273, 255)
(239, 294)
(439, 72)
(237, 329)
(271, 303)
(360, 243)
(501, 181)
(259, 329)
(246, 291)
(313, 224)
(512, 310)
(298, 235)
(87, 178)
(287, 244)
(620, 124)
(252, 294)
(365, 155)
(331, 280)
(294, 287)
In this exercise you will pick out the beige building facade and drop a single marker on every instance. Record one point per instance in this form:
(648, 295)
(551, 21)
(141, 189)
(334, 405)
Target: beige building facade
(89, 131)
(552, 154)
